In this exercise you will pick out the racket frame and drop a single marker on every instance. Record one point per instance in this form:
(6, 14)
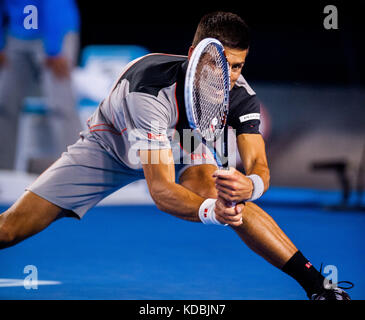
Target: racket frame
(189, 102)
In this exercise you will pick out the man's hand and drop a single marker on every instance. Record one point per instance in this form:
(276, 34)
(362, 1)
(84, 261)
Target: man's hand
(232, 185)
(226, 214)
(59, 66)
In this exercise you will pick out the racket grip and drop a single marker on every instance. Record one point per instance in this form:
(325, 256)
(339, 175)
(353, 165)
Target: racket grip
(226, 167)
(232, 204)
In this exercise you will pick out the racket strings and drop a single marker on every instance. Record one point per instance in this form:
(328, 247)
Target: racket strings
(209, 93)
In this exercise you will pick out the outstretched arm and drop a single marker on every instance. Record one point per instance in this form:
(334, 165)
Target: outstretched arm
(159, 171)
(170, 197)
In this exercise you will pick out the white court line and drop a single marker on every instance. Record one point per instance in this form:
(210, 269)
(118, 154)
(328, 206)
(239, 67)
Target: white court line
(20, 282)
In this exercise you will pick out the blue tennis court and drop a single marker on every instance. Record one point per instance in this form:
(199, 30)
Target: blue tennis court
(137, 252)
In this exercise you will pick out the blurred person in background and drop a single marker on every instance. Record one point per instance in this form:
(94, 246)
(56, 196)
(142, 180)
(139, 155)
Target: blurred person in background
(39, 44)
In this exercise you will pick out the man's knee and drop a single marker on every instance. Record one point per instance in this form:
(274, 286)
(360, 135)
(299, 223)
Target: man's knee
(199, 180)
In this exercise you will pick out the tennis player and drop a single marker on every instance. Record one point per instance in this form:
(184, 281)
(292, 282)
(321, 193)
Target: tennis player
(140, 131)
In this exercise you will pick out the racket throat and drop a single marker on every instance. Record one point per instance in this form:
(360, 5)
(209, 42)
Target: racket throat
(225, 155)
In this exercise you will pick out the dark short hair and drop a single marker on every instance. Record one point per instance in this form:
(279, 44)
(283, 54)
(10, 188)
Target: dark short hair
(230, 29)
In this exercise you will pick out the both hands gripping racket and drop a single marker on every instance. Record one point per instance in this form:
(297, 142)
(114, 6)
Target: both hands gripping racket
(207, 86)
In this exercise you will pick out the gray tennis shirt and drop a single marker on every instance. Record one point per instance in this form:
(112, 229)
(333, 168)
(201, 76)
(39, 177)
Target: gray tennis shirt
(145, 110)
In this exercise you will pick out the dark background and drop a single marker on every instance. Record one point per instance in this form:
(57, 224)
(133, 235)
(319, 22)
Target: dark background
(289, 42)
(310, 80)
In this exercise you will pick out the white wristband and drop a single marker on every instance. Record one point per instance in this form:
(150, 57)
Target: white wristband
(207, 214)
(258, 187)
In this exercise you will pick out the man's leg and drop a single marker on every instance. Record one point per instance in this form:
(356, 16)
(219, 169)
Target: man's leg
(260, 232)
(77, 181)
(26, 217)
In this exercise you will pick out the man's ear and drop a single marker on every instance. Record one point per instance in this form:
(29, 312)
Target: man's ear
(191, 49)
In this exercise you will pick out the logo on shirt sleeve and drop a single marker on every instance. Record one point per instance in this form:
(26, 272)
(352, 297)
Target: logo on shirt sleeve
(250, 116)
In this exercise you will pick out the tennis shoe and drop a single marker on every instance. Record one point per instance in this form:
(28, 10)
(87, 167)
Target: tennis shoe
(332, 291)
(336, 293)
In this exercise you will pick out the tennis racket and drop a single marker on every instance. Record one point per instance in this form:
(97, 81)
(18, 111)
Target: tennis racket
(207, 87)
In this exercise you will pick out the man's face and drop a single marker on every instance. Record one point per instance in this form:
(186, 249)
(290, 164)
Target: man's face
(236, 60)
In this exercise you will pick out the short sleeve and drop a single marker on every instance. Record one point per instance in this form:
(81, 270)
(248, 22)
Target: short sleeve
(149, 122)
(244, 115)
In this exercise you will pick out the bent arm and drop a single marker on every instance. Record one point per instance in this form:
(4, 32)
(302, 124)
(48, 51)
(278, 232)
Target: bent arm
(232, 185)
(252, 151)
(170, 197)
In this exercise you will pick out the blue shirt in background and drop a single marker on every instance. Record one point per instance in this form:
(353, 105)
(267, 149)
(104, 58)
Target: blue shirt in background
(55, 19)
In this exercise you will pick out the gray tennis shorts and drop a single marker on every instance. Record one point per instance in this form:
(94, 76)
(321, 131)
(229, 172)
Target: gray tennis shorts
(85, 175)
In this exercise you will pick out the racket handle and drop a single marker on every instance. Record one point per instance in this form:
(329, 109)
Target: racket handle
(232, 204)
(226, 167)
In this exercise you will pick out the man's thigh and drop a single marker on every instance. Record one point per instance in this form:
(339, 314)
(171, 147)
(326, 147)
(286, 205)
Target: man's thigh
(29, 215)
(82, 177)
(199, 179)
